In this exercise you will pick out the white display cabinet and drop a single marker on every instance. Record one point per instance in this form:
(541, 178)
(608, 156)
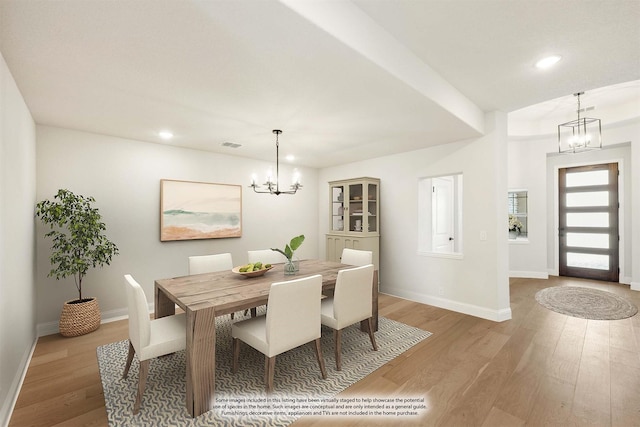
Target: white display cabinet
(354, 217)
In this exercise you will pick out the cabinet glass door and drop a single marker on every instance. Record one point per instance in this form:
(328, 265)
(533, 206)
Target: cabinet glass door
(354, 206)
(356, 218)
(337, 208)
(372, 208)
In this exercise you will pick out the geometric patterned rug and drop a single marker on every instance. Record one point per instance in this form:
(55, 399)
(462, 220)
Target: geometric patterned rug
(297, 375)
(586, 303)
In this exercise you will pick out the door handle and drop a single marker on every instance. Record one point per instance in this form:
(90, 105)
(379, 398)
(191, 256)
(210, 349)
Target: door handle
(450, 238)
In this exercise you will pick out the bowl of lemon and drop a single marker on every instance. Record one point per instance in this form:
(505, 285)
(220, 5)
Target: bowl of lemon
(253, 269)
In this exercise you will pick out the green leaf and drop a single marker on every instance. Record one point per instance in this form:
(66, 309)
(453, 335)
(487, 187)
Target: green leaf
(296, 242)
(291, 247)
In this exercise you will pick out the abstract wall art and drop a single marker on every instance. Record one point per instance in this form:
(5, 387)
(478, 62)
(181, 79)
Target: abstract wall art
(199, 210)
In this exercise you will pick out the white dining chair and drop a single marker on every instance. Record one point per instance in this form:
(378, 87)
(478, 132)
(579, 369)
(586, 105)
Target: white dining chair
(148, 338)
(199, 264)
(266, 256)
(351, 303)
(293, 319)
(356, 257)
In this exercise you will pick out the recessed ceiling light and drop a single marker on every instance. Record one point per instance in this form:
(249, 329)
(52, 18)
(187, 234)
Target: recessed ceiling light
(165, 134)
(547, 62)
(290, 157)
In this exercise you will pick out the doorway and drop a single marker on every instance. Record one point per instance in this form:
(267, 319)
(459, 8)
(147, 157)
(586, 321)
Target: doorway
(588, 222)
(442, 206)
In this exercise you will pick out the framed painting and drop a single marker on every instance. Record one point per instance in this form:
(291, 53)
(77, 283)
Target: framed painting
(199, 210)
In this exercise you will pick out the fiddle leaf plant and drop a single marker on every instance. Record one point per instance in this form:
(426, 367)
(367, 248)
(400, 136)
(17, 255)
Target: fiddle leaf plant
(293, 245)
(77, 234)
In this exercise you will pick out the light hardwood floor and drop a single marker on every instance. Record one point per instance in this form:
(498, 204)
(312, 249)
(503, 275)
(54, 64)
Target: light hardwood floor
(541, 368)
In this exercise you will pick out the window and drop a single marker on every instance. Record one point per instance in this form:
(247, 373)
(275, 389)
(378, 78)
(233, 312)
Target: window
(518, 221)
(440, 215)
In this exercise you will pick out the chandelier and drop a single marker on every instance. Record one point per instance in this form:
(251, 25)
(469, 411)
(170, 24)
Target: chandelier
(273, 187)
(583, 134)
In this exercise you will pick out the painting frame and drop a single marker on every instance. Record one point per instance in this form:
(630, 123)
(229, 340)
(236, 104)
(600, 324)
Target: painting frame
(194, 210)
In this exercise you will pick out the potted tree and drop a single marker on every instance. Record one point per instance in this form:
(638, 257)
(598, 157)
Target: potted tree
(79, 243)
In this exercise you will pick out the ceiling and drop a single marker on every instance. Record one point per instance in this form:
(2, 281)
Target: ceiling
(344, 80)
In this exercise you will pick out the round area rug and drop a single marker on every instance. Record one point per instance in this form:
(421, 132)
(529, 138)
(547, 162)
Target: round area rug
(586, 303)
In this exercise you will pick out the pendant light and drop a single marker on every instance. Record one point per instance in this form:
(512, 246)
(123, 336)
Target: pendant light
(273, 187)
(582, 134)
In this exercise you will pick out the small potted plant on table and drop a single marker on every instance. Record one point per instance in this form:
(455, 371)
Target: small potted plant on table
(292, 265)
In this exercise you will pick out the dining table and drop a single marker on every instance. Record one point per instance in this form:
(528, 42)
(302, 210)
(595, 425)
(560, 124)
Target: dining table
(203, 297)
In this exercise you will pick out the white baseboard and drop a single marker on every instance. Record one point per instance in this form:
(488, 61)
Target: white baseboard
(16, 385)
(460, 307)
(625, 280)
(529, 274)
(48, 328)
(635, 286)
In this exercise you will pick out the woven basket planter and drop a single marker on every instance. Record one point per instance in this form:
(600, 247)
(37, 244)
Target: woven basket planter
(79, 318)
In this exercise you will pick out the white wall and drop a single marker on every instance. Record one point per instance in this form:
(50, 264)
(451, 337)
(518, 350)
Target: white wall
(124, 178)
(634, 232)
(533, 165)
(478, 283)
(17, 252)
(526, 165)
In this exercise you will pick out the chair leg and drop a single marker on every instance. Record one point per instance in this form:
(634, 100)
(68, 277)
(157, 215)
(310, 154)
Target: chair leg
(254, 312)
(132, 351)
(371, 336)
(338, 339)
(142, 382)
(269, 369)
(323, 370)
(232, 315)
(236, 354)
(266, 372)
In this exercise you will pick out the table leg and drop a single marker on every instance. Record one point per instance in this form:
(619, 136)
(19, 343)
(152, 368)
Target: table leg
(201, 360)
(364, 325)
(163, 305)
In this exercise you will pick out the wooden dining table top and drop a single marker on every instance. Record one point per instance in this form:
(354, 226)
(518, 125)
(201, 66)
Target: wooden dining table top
(227, 292)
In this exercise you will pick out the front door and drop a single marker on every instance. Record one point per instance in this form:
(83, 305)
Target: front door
(588, 223)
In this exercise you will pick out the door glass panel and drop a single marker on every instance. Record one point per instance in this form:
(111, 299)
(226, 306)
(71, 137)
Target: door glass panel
(355, 207)
(597, 262)
(372, 222)
(580, 179)
(337, 208)
(588, 240)
(594, 198)
(588, 219)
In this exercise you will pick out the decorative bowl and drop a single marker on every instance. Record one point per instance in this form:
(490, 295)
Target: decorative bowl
(250, 273)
